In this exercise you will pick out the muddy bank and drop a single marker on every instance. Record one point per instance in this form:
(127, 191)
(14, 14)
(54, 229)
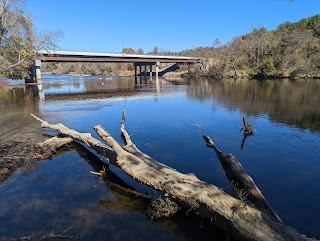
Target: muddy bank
(15, 153)
(18, 132)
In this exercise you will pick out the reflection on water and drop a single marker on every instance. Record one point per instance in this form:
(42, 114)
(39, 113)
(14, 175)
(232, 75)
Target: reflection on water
(16, 103)
(294, 102)
(90, 85)
(166, 120)
(60, 194)
(64, 199)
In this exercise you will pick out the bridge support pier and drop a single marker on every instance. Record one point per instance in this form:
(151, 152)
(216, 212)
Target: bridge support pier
(143, 69)
(157, 69)
(35, 72)
(37, 67)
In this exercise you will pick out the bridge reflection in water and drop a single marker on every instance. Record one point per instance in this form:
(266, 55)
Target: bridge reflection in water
(97, 87)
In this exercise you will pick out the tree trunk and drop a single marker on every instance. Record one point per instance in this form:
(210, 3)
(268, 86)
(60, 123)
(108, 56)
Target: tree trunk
(228, 213)
(12, 66)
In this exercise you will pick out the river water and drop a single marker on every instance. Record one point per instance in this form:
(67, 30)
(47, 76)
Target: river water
(166, 119)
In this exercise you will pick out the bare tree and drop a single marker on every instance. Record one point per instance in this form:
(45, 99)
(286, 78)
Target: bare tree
(19, 40)
(140, 51)
(128, 51)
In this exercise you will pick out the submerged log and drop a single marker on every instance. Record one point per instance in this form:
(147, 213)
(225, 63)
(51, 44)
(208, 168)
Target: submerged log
(228, 213)
(235, 172)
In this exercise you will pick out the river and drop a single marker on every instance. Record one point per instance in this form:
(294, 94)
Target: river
(167, 119)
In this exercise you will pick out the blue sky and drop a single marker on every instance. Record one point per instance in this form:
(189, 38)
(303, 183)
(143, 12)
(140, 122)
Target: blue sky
(108, 25)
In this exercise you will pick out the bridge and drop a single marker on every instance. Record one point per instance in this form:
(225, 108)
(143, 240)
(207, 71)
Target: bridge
(138, 60)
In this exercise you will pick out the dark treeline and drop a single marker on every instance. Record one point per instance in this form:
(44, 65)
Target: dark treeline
(292, 50)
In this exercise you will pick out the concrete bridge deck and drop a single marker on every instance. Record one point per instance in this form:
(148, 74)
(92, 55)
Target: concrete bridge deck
(146, 61)
(71, 56)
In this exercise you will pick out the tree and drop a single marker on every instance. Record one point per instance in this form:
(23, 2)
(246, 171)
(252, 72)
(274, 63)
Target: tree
(19, 39)
(155, 50)
(140, 51)
(235, 51)
(217, 43)
(128, 51)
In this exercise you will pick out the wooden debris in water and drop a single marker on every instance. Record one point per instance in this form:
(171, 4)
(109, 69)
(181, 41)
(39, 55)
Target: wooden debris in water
(247, 128)
(247, 223)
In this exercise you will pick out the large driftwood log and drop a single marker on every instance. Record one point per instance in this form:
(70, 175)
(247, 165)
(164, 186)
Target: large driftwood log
(237, 218)
(84, 138)
(235, 172)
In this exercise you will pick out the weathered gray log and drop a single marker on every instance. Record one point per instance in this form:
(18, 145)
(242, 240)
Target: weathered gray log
(47, 148)
(54, 143)
(235, 172)
(84, 138)
(228, 213)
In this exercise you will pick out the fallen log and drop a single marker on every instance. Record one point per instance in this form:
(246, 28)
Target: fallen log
(47, 148)
(235, 172)
(84, 138)
(54, 143)
(228, 213)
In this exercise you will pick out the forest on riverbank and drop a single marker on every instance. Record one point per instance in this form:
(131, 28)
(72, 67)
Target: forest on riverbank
(292, 50)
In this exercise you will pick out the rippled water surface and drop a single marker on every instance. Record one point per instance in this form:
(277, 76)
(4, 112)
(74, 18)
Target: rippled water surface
(167, 119)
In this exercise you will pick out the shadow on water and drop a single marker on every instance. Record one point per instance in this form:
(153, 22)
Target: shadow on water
(60, 194)
(190, 227)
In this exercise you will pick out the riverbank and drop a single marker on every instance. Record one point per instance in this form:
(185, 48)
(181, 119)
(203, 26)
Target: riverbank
(197, 72)
(18, 132)
(15, 153)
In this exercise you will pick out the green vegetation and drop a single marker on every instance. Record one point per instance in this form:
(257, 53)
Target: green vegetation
(292, 50)
(162, 208)
(238, 193)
